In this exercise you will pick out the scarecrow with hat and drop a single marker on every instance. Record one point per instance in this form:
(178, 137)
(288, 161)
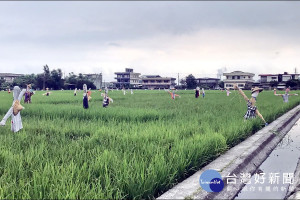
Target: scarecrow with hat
(85, 97)
(28, 94)
(252, 110)
(14, 111)
(106, 100)
(197, 92)
(286, 95)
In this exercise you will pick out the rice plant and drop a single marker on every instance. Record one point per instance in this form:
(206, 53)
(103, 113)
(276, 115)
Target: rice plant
(137, 148)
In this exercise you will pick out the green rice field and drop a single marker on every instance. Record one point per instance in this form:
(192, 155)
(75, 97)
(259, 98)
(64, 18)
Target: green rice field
(137, 148)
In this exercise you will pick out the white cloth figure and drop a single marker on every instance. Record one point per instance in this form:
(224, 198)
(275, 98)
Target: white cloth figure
(106, 90)
(124, 92)
(131, 91)
(16, 120)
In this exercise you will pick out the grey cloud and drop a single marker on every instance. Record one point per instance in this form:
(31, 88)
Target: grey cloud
(103, 22)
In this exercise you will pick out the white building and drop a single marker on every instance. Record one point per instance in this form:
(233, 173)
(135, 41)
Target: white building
(157, 82)
(267, 79)
(127, 79)
(9, 77)
(240, 78)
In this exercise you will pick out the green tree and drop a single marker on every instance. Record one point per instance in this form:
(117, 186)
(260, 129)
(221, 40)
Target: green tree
(221, 84)
(273, 83)
(191, 82)
(293, 83)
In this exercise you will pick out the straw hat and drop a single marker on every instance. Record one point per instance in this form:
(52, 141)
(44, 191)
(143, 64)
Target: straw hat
(17, 107)
(256, 89)
(29, 86)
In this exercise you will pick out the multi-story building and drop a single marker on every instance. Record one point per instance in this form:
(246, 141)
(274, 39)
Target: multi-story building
(244, 80)
(127, 79)
(157, 82)
(96, 78)
(268, 81)
(212, 83)
(9, 77)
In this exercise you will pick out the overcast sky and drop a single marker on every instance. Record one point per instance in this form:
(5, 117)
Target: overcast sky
(156, 37)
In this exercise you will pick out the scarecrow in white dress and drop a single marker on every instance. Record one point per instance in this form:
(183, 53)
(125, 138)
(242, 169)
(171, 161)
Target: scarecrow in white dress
(285, 96)
(14, 111)
(75, 92)
(252, 110)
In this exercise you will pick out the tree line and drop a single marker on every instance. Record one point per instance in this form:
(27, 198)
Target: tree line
(53, 80)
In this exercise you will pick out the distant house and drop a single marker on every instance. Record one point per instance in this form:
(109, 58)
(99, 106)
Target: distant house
(244, 80)
(212, 83)
(267, 80)
(96, 79)
(127, 79)
(157, 82)
(9, 77)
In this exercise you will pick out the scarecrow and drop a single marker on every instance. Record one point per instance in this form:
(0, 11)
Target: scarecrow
(173, 95)
(14, 111)
(28, 94)
(227, 91)
(75, 92)
(252, 110)
(203, 93)
(106, 100)
(89, 94)
(285, 96)
(8, 90)
(47, 92)
(131, 91)
(124, 91)
(197, 92)
(85, 97)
